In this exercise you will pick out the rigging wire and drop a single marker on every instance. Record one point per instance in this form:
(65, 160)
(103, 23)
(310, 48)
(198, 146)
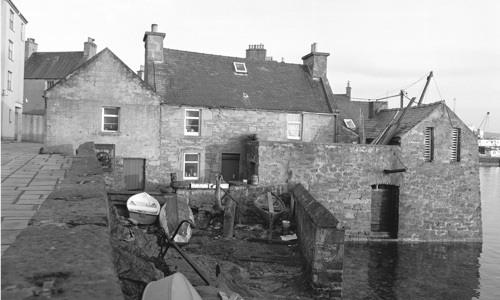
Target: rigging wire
(408, 86)
(439, 92)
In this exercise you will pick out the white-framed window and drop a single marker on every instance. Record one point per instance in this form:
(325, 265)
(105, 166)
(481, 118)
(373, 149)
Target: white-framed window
(240, 67)
(11, 50)
(429, 144)
(191, 166)
(110, 119)
(11, 20)
(294, 126)
(350, 124)
(192, 122)
(455, 145)
(9, 80)
(49, 83)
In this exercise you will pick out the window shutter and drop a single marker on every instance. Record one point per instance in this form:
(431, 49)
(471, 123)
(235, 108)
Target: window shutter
(429, 144)
(455, 145)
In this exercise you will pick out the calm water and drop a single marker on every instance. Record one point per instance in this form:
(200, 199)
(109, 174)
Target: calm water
(432, 270)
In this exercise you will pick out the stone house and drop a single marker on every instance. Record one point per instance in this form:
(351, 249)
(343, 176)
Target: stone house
(105, 102)
(41, 71)
(424, 186)
(212, 104)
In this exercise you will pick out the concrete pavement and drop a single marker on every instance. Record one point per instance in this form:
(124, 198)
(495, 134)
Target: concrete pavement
(27, 179)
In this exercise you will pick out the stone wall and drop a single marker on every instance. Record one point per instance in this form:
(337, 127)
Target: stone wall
(339, 176)
(67, 245)
(440, 199)
(322, 244)
(225, 131)
(74, 111)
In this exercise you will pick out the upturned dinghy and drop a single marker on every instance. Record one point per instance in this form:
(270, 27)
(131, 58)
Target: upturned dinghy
(172, 213)
(173, 287)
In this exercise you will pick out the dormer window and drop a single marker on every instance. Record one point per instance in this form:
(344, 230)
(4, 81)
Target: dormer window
(350, 124)
(240, 67)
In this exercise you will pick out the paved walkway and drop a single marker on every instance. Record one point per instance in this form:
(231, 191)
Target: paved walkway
(27, 179)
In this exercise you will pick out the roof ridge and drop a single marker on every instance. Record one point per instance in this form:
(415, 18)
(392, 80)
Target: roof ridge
(412, 107)
(234, 57)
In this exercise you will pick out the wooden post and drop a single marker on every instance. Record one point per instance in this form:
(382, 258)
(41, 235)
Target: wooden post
(218, 200)
(229, 215)
(271, 214)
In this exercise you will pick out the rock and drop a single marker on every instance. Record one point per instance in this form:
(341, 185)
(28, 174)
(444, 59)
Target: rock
(133, 221)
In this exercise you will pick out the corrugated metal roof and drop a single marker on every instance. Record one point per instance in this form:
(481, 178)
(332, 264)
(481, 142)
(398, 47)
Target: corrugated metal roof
(377, 124)
(52, 65)
(197, 79)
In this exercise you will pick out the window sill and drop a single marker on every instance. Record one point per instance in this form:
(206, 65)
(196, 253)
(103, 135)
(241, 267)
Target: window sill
(110, 133)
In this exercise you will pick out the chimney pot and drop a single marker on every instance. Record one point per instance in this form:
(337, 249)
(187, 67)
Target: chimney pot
(314, 47)
(154, 27)
(141, 68)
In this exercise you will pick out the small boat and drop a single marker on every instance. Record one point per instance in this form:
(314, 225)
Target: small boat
(172, 213)
(143, 208)
(173, 287)
(261, 208)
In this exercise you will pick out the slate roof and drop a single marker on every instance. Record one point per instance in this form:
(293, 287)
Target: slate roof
(197, 79)
(377, 124)
(52, 65)
(350, 109)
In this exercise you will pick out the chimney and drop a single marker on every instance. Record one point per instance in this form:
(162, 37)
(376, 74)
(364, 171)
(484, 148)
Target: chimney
(140, 73)
(30, 47)
(256, 52)
(348, 91)
(375, 106)
(153, 44)
(89, 48)
(316, 62)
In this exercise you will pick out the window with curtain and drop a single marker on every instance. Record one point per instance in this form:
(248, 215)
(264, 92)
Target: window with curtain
(294, 126)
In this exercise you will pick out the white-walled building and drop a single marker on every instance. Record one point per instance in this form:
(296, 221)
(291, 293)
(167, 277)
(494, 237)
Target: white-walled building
(12, 76)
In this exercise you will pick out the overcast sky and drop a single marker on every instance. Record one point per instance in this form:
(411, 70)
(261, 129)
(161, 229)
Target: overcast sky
(379, 46)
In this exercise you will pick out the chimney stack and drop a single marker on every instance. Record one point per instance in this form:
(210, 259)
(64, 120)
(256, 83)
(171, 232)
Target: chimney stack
(153, 44)
(256, 52)
(89, 48)
(316, 62)
(140, 73)
(30, 47)
(348, 91)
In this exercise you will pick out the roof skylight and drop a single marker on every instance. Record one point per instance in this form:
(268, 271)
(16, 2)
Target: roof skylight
(349, 123)
(240, 67)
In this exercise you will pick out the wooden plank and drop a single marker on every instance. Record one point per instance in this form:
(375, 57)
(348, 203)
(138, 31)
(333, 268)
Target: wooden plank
(270, 202)
(229, 216)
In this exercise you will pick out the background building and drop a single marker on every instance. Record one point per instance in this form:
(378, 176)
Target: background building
(13, 29)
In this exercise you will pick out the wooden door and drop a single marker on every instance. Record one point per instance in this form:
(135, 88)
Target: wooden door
(230, 166)
(134, 173)
(385, 209)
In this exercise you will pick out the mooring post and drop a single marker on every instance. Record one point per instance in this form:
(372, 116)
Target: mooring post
(229, 216)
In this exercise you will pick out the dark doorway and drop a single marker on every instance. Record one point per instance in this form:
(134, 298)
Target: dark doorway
(385, 210)
(230, 166)
(133, 173)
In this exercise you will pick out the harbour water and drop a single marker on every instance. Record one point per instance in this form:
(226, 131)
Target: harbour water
(431, 270)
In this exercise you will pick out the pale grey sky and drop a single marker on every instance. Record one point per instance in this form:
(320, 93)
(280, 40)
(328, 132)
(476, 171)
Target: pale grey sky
(379, 46)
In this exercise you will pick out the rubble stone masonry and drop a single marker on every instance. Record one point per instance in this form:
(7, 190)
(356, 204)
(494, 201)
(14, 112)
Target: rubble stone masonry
(438, 201)
(225, 131)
